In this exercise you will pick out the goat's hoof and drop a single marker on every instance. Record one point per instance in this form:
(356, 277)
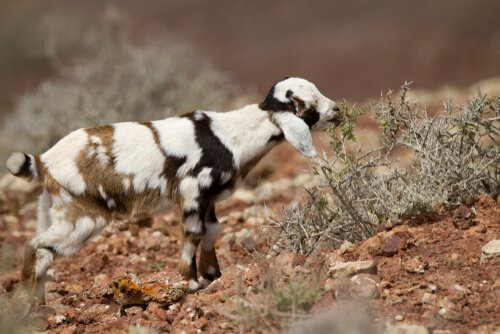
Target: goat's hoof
(205, 282)
(193, 286)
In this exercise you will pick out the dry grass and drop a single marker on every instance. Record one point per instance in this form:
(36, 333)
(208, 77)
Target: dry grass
(454, 156)
(108, 78)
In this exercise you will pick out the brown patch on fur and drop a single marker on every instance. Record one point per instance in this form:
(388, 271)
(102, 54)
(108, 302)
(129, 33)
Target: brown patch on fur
(300, 103)
(172, 164)
(193, 238)
(96, 174)
(188, 270)
(46, 178)
(28, 270)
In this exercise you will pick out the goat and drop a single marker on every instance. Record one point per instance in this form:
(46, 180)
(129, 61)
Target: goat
(96, 174)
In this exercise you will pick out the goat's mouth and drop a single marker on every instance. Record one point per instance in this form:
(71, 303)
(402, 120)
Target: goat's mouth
(335, 121)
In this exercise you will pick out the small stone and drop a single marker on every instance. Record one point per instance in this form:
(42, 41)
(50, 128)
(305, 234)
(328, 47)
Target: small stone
(345, 246)
(235, 217)
(127, 292)
(403, 328)
(490, 251)
(450, 311)
(92, 313)
(426, 298)
(362, 286)
(456, 292)
(347, 269)
(392, 245)
(416, 265)
(399, 317)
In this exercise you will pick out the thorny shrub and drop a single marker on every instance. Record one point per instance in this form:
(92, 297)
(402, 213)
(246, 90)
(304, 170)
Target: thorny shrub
(453, 156)
(111, 78)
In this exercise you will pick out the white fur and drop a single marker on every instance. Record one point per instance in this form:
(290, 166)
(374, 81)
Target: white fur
(44, 259)
(211, 270)
(60, 161)
(193, 285)
(188, 252)
(189, 190)
(245, 132)
(177, 138)
(193, 224)
(43, 215)
(137, 154)
(204, 178)
(297, 133)
(15, 162)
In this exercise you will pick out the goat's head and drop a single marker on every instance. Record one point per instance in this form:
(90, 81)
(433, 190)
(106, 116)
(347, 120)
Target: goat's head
(298, 107)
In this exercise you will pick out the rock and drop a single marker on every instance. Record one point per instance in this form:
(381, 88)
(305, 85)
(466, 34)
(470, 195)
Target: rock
(238, 237)
(392, 245)
(8, 281)
(69, 330)
(92, 313)
(362, 286)
(463, 217)
(347, 269)
(490, 251)
(154, 311)
(456, 292)
(235, 217)
(399, 317)
(244, 195)
(345, 246)
(416, 265)
(283, 263)
(127, 292)
(450, 311)
(405, 329)
(426, 298)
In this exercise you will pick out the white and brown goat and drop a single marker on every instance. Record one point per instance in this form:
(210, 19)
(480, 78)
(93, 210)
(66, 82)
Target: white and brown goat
(94, 174)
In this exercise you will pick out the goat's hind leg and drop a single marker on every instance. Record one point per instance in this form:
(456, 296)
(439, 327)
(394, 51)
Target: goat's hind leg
(193, 231)
(37, 260)
(209, 265)
(69, 229)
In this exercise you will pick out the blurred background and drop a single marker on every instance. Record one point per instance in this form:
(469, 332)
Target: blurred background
(66, 64)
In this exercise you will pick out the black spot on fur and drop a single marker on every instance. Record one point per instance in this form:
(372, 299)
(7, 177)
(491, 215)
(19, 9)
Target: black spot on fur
(214, 154)
(279, 137)
(310, 116)
(25, 170)
(271, 103)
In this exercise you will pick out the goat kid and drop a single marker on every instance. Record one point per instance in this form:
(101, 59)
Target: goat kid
(96, 174)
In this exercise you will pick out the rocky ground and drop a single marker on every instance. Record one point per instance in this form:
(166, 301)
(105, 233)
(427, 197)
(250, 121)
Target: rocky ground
(435, 274)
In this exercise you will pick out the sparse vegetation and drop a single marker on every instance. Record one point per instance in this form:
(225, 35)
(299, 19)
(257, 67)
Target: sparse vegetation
(113, 78)
(275, 308)
(453, 156)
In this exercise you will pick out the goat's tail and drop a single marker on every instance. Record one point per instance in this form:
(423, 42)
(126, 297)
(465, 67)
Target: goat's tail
(22, 165)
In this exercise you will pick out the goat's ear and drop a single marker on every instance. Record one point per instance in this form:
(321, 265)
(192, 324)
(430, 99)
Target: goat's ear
(296, 132)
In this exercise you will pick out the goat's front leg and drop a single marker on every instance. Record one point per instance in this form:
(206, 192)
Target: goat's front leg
(193, 232)
(209, 265)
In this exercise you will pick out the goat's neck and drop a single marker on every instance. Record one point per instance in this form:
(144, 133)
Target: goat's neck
(247, 132)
